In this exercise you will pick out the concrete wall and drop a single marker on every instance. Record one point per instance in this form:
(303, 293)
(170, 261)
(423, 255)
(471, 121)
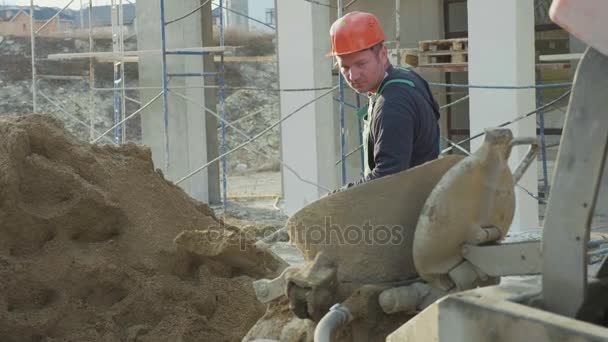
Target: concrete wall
(504, 57)
(188, 147)
(308, 136)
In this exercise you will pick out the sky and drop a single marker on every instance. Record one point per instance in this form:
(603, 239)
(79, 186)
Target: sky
(57, 3)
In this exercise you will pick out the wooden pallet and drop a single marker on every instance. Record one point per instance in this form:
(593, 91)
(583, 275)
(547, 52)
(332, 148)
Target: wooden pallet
(443, 52)
(457, 44)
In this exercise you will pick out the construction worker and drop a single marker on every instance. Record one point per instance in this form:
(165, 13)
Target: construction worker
(401, 120)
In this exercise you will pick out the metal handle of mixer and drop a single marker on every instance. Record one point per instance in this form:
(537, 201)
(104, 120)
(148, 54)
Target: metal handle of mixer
(528, 158)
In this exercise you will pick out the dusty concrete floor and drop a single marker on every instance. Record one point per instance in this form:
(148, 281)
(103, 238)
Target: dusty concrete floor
(254, 205)
(253, 199)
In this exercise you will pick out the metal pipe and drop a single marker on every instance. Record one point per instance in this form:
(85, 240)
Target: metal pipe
(123, 104)
(116, 64)
(528, 158)
(53, 17)
(340, 11)
(349, 105)
(257, 136)
(243, 15)
(242, 133)
(60, 77)
(460, 148)
(337, 316)
(129, 117)
(217, 87)
(398, 30)
(163, 44)
(137, 102)
(222, 113)
(193, 74)
(243, 118)
(520, 117)
(472, 86)
(67, 113)
(361, 136)
(91, 75)
(33, 53)
(349, 4)
(134, 53)
(81, 16)
(543, 146)
(190, 53)
(187, 14)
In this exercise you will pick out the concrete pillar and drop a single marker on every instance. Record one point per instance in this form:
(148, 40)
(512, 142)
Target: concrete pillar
(501, 52)
(308, 136)
(187, 124)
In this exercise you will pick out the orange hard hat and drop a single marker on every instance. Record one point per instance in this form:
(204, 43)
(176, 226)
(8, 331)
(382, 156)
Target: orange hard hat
(355, 31)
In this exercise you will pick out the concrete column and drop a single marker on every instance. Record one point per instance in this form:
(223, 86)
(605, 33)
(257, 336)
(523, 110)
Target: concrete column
(187, 124)
(308, 136)
(501, 52)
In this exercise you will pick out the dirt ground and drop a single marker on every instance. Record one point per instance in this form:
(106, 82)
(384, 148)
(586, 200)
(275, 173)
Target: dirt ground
(95, 245)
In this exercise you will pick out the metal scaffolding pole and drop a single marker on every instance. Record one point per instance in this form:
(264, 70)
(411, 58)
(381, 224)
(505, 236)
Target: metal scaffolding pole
(123, 105)
(91, 76)
(361, 135)
(398, 30)
(165, 81)
(116, 69)
(81, 16)
(33, 53)
(119, 69)
(54, 16)
(222, 112)
(543, 146)
(342, 118)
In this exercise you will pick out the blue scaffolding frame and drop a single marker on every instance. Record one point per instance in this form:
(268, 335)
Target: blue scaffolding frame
(166, 76)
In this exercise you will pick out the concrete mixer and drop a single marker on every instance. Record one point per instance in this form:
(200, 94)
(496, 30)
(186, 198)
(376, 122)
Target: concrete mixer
(423, 261)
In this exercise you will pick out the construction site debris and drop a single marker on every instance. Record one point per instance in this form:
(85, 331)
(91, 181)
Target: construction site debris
(88, 247)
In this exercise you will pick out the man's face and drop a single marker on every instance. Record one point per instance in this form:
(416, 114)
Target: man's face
(364, 70)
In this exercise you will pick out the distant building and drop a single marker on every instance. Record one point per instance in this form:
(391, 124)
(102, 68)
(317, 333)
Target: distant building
(215, 14)
(101, 21)
(264, 11)
(233, 18)
(239, 10)
(15, 21)
(102, 16)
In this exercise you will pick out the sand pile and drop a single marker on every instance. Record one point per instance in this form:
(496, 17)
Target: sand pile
(88, 247)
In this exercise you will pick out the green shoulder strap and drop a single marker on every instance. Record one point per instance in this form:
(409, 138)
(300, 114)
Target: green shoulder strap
(363, 110)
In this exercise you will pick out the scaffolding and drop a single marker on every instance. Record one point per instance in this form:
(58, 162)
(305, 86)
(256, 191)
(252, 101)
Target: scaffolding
(119, 56)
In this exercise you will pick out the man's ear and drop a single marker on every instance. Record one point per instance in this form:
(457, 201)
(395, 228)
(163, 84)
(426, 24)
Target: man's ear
(383, 53)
